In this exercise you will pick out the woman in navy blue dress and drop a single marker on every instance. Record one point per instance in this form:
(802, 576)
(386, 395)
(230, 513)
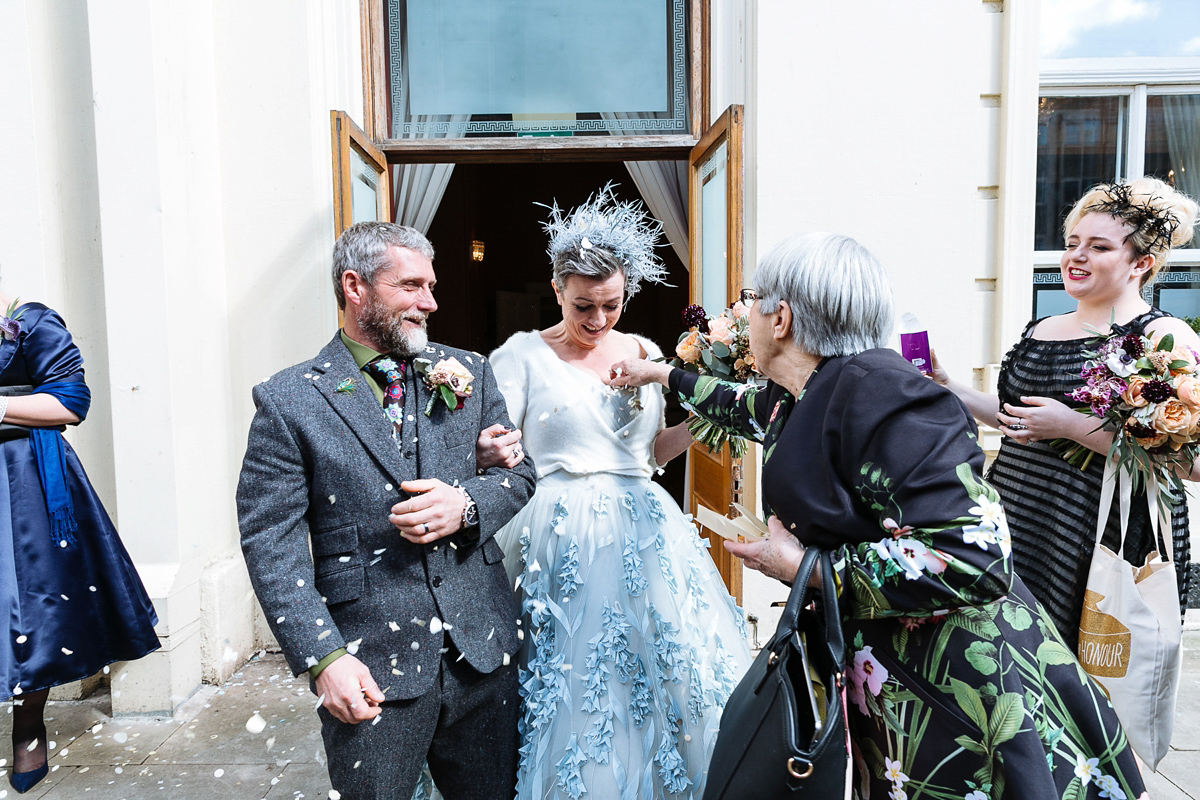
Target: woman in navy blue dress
(74, 601)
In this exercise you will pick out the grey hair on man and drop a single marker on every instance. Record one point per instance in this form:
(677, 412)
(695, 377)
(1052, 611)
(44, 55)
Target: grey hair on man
(839, 294)
(362, 248)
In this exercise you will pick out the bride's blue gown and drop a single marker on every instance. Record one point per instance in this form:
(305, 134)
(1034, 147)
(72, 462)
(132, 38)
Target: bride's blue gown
(631, 643)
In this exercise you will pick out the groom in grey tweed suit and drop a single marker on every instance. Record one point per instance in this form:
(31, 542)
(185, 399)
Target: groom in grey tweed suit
(370, 544)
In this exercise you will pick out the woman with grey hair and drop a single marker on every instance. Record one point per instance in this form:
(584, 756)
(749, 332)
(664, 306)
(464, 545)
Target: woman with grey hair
(631, 642)
(960, 686)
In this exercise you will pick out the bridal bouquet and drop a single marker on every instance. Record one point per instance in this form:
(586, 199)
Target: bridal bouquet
(1147, 392)
(720, 347)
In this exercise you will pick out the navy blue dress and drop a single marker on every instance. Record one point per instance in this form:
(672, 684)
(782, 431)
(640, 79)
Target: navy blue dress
(71, 610)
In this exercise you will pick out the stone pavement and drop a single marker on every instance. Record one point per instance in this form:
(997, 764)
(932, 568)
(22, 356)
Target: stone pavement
(205, 751)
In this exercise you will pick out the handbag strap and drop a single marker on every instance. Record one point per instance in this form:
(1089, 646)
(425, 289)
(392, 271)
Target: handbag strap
(815, 559)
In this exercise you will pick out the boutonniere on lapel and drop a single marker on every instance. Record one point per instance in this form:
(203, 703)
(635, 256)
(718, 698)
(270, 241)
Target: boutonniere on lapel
(447, 380)
(10, 325)
(346, 387)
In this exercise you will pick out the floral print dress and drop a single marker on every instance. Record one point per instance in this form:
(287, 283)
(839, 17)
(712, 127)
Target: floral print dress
(958, 684)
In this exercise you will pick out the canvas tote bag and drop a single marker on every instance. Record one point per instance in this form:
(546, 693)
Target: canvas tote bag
(1130, 632)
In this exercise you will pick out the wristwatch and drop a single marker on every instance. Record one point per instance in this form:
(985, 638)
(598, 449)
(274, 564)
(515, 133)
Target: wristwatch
(470, 515)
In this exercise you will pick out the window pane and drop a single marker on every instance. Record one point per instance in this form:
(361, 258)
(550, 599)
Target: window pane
(364, 189)
(537, 67)
(1049, 296)
(714, 231)
(1173, 141)
(1177, 291)
(1081, 142)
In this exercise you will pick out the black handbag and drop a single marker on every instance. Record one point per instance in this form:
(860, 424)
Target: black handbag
(783, 731)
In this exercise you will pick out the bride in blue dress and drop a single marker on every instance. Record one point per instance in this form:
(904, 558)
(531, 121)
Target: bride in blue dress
(75, 603)
(630, 642)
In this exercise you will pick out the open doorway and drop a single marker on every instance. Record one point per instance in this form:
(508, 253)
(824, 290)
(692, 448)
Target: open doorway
(482, 303)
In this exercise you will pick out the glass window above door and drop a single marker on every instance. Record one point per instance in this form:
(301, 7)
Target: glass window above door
(537, 68)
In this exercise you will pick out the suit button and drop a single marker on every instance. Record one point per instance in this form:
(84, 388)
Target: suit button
(408, 453)
(437, 581)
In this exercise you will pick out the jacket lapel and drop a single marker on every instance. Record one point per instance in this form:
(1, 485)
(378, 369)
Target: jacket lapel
(333, 367)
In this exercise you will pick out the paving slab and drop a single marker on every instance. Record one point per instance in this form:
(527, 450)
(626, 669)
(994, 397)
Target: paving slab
(193, 782)
(309, 780)
(1178, 771)
(219, 734)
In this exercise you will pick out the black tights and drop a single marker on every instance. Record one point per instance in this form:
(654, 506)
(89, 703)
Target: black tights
(29, 727)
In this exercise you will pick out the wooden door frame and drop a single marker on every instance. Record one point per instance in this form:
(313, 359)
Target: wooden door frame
(346, 135)
(710, 471)
(494, 150)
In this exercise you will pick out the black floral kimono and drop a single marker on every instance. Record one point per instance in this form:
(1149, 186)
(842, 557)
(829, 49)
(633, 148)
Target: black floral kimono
(958, 684)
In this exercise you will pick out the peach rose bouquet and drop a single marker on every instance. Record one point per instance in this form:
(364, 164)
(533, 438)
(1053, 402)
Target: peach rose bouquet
(718, 346)
(1145, 390)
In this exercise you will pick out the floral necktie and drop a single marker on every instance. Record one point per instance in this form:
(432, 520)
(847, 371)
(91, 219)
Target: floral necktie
(389, 374)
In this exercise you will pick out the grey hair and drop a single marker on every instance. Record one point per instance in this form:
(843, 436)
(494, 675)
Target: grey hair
(595, 263)
(839, 294)
(362, 248)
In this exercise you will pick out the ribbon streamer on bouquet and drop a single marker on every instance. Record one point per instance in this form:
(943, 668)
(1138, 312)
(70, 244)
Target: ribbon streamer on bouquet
(1159, 511)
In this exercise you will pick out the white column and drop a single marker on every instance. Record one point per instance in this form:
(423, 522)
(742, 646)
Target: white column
(1018, 172)
(138, 311)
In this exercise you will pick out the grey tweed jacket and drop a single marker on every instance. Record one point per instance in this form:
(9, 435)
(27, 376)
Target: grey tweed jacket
(321, 473)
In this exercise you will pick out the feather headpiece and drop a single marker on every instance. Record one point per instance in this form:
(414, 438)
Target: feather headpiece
(1158, 224)
(622, 228)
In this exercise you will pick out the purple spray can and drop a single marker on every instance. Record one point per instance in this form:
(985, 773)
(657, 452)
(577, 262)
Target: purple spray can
(914, 344)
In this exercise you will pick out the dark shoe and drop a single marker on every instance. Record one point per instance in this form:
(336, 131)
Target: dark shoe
(24, 781)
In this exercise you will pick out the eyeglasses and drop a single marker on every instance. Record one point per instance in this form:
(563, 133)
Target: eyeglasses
(748, 296)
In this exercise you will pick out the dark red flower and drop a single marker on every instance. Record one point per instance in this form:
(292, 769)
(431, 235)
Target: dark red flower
(1157, 391)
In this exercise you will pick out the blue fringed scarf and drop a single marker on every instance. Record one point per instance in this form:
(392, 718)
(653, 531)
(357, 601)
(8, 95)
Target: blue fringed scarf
(51, 459)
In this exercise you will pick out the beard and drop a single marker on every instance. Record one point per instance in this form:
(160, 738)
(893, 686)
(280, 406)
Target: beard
(386, 328)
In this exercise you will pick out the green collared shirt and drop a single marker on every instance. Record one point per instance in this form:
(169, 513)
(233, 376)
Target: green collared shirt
(361, 354)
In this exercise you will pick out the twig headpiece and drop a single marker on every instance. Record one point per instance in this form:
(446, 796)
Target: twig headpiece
(1156, 223)
(622, 228)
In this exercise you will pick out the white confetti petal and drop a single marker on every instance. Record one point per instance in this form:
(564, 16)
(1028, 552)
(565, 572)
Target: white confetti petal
(67, 652)
(334, 794)
(320, 622)
(324, 634)
(381, 551)
(280, 620)
(91, 588)
(311, 662)
(415, 646)
(218, 773)
(22, 639)
(352, 647)
(320, 701)
(387, 487)
(507, 658)
(256, 724)
(435, 625)
(332, 499)
(300, 582)
(392, 624)
(120, 737)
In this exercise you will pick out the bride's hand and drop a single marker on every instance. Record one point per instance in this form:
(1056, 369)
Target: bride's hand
(638, 372)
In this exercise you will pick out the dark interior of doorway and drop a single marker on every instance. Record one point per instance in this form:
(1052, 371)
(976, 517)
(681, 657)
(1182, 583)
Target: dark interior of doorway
(481, 303)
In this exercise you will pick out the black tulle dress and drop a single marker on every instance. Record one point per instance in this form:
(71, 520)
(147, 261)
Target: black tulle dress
(1051, 505)
(70, 610)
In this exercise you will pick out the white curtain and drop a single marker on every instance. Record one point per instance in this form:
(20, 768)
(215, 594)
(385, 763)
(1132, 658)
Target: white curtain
(1181, 114)
(417, 189)
(664, 187)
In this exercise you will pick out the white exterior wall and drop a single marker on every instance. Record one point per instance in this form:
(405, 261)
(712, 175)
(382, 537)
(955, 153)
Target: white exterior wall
(168, 189)
(909, 127)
